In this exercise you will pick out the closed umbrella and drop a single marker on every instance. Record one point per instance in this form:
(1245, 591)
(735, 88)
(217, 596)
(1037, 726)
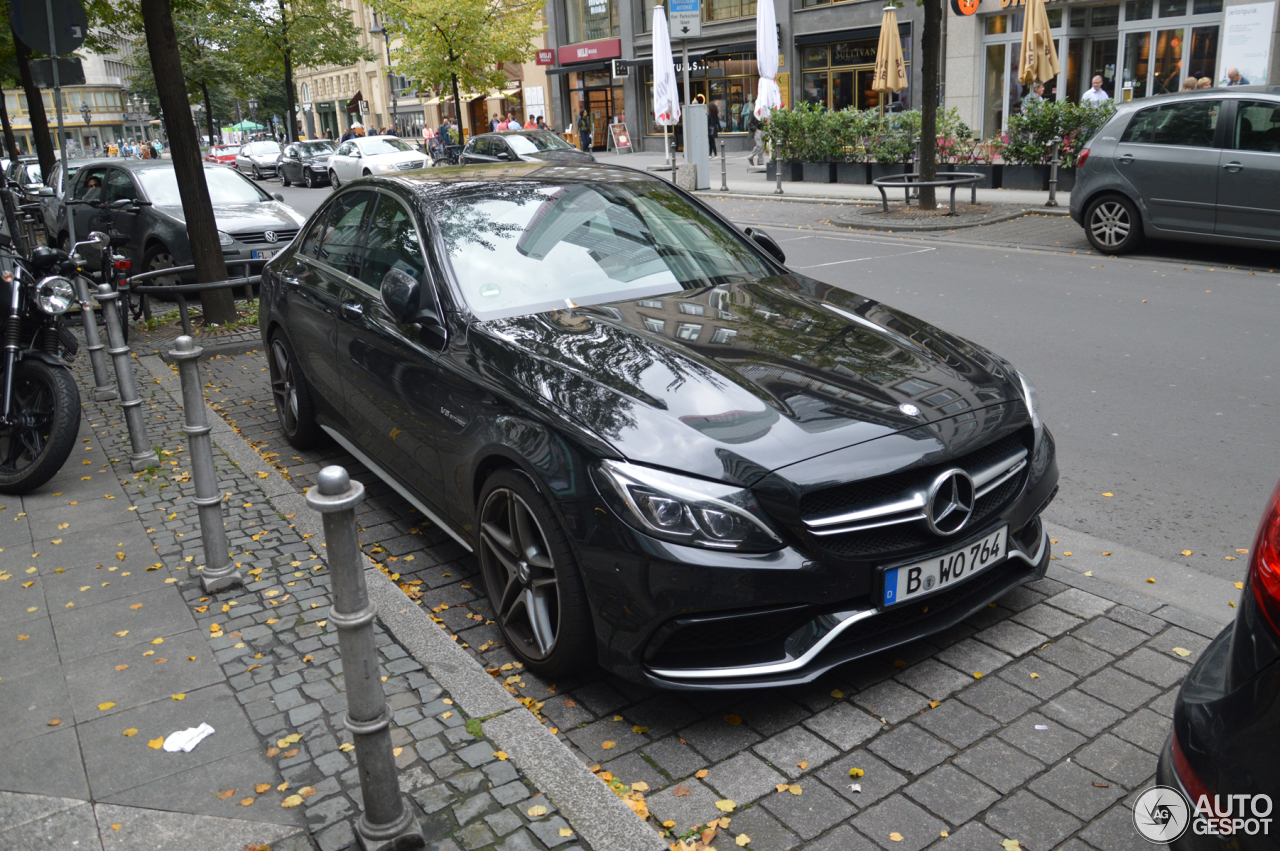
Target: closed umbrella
(891, 74)
(769, 96)
(1039, 59)
(666, 97)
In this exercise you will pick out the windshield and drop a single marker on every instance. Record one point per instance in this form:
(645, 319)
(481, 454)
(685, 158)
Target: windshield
(536, 143)
(225, 150)
(264, 148)
(33, 172)
(524, 247)
(225, 187)
(311, 150)
(384, 145)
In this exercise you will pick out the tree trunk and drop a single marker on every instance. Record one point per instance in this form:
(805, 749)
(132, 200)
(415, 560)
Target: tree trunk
(208, 111)
(10, 141)
(35, 108)
(290, 118)
(202, 228)
(457, 108)
(930, 47)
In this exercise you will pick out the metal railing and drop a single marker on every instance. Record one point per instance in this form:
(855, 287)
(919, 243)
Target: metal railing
(181, 291)
(952, 180)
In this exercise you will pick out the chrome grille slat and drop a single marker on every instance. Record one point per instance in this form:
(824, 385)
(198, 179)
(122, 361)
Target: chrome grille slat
(283, 235)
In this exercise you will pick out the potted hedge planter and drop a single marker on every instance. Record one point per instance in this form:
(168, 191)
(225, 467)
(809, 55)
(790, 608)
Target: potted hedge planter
(875, 171)
(852, 173)
(790, 171)
(818, 172)
(993, 173)
(1034, 177)
(1066, 179)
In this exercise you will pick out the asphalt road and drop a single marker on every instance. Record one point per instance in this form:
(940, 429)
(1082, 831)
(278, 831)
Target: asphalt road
(1156, 374)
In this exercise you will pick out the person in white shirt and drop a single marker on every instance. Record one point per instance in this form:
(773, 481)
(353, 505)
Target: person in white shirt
(1095, 95)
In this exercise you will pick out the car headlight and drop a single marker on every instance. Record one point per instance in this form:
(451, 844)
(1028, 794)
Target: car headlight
(55, 295)
(225, 238)
(1032, 398)
(684, 510)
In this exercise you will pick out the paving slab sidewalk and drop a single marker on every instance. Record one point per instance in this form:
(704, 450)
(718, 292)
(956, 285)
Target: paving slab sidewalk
(1027, 750)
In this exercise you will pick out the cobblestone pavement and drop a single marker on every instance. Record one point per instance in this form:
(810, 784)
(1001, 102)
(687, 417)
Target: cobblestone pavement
(280, 659)
(1035, 720)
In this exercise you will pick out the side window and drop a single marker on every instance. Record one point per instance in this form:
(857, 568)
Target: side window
(500, 147)
(88, 184)
(1141, 126)
(1258, 127)
(344, 149)
(340, 245)
(117, 185)
(1189, 124)
(392, 245)
(246, 150)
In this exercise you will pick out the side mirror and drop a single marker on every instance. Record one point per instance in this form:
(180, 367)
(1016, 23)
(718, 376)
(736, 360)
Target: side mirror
(278, 197)
(45, 192)
(505, 155)
(766, 242)
(399, 292)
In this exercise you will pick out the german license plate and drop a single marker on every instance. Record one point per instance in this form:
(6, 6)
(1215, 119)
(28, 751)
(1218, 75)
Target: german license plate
(266, 254)
(905, 583)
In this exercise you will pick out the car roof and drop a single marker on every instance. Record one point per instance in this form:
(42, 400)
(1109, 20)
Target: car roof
(1216, 93)
(136, 165)
(441, 180)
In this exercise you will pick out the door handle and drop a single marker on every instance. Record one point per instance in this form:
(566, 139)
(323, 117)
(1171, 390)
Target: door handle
(1126, 159)
(291, 282)
(1233, 167)
(352, 310)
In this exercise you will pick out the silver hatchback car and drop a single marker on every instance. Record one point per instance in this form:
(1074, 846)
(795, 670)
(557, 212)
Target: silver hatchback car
(1199, 167)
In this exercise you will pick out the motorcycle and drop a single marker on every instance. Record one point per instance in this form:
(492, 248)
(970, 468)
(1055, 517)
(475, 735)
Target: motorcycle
(39, 399)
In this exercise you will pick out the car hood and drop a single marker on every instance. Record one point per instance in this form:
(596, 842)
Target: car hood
(264, 156)
(397, 157)
(240, 217)
(778, 370)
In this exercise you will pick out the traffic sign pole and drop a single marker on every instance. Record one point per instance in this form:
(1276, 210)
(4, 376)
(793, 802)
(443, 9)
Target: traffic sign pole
(57, 109)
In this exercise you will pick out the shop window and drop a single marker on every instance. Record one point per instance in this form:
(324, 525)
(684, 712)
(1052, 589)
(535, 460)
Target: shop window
(1107, 16)
(814, 56)
(1137, 10)
(1207, 7)
(730, 82)
(592, 19)
(723, 10)
(1078, 16)
(1055, 18)
(1173, 8)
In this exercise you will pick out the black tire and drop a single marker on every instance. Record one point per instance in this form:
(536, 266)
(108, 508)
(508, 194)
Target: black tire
(367, 173)
(257, 175)
(47, 405)
(284, 178)
(333, 179)
(308, 179)
(159, 257)
(1113, 225)
(527, 564)
(294, 407)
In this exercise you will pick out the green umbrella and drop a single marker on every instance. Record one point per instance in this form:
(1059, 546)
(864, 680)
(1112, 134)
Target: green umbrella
(247, 125)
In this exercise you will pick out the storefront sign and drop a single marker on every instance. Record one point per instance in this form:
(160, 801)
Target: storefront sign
(1246, 42)
(1004, 4)
(546, 57)
(964, 7)
(591, 51)
(854, 52)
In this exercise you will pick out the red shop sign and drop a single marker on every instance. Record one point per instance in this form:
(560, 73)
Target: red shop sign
(591, 51)
(546, 57)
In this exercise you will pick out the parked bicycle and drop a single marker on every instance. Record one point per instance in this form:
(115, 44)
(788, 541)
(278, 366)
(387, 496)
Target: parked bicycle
(114, 267)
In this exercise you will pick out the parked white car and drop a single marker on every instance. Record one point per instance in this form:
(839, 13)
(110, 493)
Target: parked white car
(356, 158)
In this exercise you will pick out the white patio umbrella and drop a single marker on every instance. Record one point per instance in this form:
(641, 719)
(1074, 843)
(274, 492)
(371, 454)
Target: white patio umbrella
(769, 96)
(666, 96)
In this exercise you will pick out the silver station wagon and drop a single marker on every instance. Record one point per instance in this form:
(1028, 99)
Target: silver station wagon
(1199, 167)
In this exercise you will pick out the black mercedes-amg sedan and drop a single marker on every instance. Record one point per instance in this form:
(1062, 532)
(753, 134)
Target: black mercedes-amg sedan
(671, 454)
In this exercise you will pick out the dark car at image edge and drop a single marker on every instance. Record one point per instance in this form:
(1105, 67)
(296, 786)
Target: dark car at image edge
(1226, 719)
(672, 455)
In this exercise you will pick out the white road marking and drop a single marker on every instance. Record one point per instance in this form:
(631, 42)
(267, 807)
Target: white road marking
(861, 259)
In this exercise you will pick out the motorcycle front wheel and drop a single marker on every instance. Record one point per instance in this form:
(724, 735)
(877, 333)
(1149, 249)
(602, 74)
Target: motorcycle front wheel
(44, 421)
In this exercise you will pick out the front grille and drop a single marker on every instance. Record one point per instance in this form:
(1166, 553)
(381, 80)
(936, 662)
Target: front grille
(901, 540)
(283, 235)
(743, 638)
(410, 166)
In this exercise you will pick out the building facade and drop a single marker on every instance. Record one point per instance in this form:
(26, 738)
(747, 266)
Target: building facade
(1140, 48)
(93, 115)
(827, 56)
(330, 97)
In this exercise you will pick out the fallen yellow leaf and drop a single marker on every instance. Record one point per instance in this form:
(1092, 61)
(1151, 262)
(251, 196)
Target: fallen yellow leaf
(977, 675)
(1187, 552)
(226, 793)
(638, 729)
(837, 694)
(1151, 580)
(781, 787)
(346, 747)
(1108, 494)
(794, 789)
(397, 751)
(291, 801)
(727, 806)
(742, 841)
(856, 772)
(261, 787)
(537, 811)
(639, 786)
(1088, 573)
(1182, 651)
(1035, 676)
(564, 831)
(1010, 845)
(178, 696)
(700, 773)
(803, 765)
(156, 744)
(131, 732)
(245, 802)
(608, 745)
(733, 719)
(501, 756)
(122, 633)
(105, 706)
(1240, 586)
(895, 836)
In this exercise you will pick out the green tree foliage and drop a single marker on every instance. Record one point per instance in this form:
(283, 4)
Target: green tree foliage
(460, 45)
(273, 38)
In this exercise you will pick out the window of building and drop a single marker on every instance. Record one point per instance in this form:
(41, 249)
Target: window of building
(654, 325)
(724, 336)
(656, 305)
(687, 331)
(592, 19)
(723, 10)
(840, 74)
(691, 309)
(730, 82)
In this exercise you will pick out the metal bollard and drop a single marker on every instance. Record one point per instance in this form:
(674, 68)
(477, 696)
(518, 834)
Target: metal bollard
(219, 572)
(142, 455)
(103, 392)
(777, 173)
(724, 174)
(388, 822)
(1053, 175)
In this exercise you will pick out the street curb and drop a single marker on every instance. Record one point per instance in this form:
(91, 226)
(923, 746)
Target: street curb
(593, 810)
(910, 227)
(790, 199)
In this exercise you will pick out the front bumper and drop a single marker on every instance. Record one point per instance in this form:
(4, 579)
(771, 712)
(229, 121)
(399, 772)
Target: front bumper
(687, 618)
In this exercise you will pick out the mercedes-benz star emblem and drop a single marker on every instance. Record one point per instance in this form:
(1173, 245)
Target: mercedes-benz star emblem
(909, 409)
(951, 499)
(270, 236)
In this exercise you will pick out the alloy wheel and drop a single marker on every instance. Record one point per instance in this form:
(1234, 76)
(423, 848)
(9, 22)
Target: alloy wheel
(1110, 223)
(163, 260)
(284, 386)
(520, 573)
(308, 179)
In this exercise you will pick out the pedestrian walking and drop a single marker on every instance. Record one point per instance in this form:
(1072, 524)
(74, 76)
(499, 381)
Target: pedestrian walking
(713, 126)
(1095, 96)
(583, 126)
(542, 125)
(756, 129)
